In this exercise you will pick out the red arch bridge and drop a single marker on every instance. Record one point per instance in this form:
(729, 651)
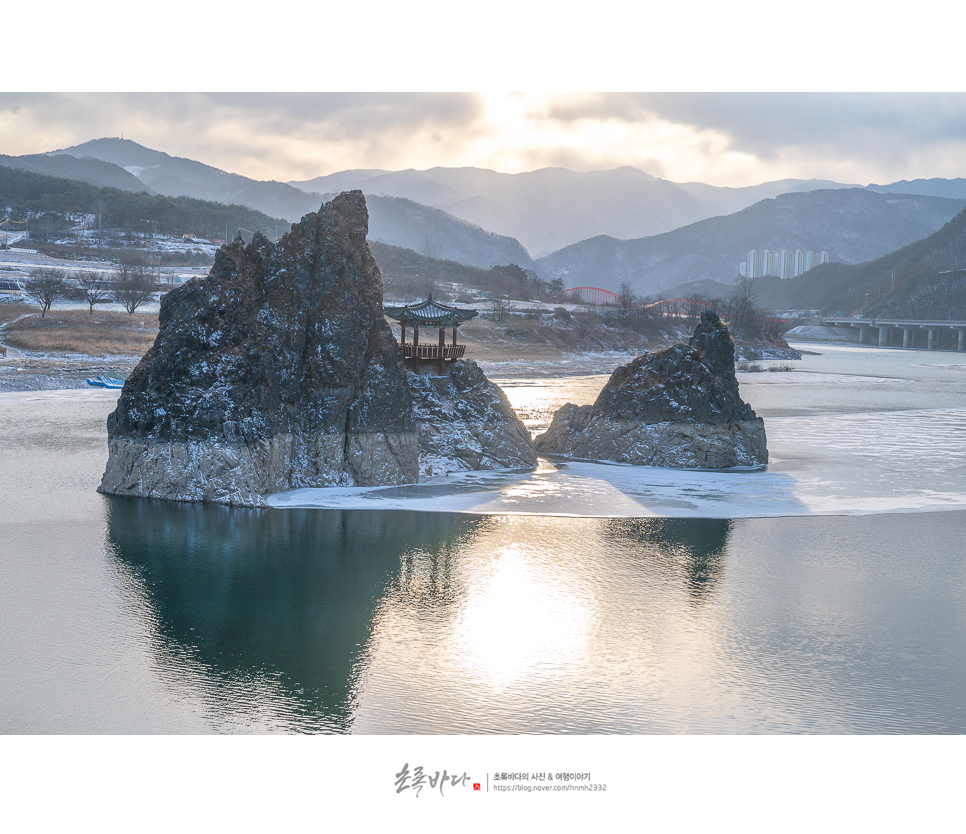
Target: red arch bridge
(593, 295)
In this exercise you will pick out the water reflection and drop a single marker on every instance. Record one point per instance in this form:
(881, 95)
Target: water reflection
(266, 596)
(693, 548)
(381, 621)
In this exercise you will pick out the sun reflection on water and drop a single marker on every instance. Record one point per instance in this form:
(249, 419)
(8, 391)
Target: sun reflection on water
(520, 620)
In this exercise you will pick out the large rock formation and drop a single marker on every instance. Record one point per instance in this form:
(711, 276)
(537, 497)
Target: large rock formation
(276, 371)
(465, 422)
(678, 408)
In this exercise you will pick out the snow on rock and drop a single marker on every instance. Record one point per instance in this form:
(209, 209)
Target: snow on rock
(277, 371)
(465, 422)
(678, 408)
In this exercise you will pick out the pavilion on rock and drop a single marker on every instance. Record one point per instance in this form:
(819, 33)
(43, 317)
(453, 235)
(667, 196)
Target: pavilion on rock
(430, 313)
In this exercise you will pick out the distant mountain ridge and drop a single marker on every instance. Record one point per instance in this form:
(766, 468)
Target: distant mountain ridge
(955, 188)
(853, 225)
(176, 177)
(482, 217)
(433, 232)
(551, 208)
(925, 279)
(400, 222)
(92, 171)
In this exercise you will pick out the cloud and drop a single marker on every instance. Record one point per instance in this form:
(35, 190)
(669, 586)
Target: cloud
(722, 138)
(266, 135)
(884, 130)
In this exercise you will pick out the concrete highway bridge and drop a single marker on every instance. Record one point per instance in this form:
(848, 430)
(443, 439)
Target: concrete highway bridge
(907, 333)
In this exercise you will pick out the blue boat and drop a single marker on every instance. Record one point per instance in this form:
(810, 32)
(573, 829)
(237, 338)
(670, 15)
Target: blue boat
(106, 382)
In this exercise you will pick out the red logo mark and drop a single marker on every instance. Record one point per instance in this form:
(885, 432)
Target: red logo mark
(476, 786)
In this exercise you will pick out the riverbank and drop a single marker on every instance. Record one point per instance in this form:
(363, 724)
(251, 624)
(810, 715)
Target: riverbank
(65, 347)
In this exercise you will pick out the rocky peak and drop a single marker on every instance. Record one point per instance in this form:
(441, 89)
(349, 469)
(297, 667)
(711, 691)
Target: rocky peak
(280, 359)
(278, 371)
(677, 407)
(694, 382)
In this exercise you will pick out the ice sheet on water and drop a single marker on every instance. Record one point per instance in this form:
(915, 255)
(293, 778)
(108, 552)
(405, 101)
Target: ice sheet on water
(851, 464)
(837, 464)
(812, 378)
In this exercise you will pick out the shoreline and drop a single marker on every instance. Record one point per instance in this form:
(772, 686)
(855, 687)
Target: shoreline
(33, 371)
(23, 371)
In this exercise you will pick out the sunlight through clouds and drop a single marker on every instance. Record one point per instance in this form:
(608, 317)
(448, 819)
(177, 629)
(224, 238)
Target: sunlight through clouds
(726, 139)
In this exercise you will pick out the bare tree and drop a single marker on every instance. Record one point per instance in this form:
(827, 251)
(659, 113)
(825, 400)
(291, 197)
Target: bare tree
(93, 288)
(133, 285)
(746, 318)
(499, 310)
(628, 301)
(45, 286)
(432, 250)
(694, 305)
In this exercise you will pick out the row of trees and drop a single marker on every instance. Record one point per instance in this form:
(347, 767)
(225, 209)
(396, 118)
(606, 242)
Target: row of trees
(745, 318)
(130, 285)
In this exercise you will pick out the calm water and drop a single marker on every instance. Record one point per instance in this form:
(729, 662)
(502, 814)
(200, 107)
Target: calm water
(839, 616)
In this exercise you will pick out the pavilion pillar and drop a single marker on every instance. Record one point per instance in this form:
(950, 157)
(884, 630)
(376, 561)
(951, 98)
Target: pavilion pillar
(442, 349)
(402, 338)
(456, 324)
(416, 346)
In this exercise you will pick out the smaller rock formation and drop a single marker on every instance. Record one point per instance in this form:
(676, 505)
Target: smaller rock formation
(465, 422)
(677, 408)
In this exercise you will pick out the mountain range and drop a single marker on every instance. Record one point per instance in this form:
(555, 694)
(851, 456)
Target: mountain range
(552, 208)
(544, 210)
(925, 279)
(853, 225)
(601, 228)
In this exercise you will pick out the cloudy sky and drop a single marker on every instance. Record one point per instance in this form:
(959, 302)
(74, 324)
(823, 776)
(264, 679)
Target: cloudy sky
(719, 138)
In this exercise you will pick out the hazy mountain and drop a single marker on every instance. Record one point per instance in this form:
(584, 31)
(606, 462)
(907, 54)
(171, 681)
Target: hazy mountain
(397, 222)
(92, 171)
(954, 189)
(924, 280)
(436, 234)
(25, 190)
(543, 209)
(553, 207)
(731, 200)
(175, 177)
(629, 226)
(853, 225)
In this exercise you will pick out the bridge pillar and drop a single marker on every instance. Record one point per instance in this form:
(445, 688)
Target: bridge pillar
(883, 336)
(962, 340)
(863, 334)
(931, 344)
(906, 337)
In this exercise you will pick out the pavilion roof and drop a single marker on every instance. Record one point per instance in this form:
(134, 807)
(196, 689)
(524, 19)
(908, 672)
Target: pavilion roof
(430, 312)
